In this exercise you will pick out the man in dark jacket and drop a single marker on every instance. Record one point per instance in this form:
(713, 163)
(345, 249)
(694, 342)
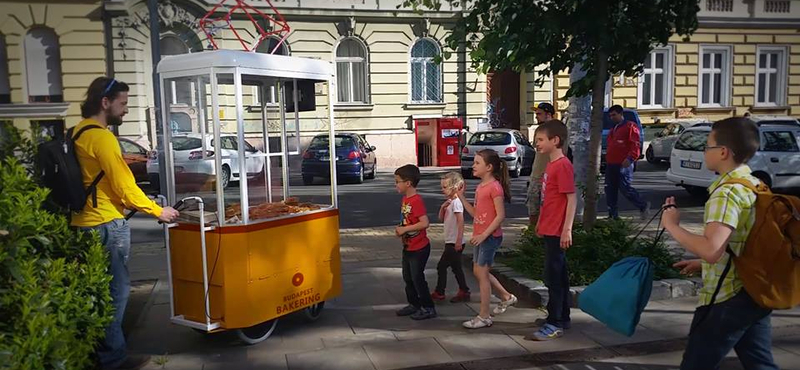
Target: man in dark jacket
(621, 153)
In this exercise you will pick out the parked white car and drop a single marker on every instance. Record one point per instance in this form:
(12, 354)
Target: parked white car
(191, 165)
(660, 147)
(512, 147)
(777, 162)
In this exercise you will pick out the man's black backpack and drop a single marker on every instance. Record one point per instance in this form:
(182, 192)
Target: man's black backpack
(61, 173)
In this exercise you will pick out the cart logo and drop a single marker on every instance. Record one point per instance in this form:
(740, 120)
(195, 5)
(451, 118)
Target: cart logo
(297, 279)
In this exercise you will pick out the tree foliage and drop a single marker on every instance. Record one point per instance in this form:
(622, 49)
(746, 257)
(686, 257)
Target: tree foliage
(54, 285)
(557, 34)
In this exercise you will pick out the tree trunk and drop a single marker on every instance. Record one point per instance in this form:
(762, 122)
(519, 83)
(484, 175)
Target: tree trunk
(579, 111)
(598, 94)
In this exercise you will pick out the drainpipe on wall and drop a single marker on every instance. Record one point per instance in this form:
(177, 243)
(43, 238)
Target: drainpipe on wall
(108, 35)
(155, 53)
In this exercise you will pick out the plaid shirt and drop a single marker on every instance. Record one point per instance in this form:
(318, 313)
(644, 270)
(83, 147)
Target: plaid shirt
(731, 205)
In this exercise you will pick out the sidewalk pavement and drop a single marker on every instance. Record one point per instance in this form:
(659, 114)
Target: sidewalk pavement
(359, 329)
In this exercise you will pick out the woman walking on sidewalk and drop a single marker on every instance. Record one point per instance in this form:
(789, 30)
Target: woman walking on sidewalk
(488, 214)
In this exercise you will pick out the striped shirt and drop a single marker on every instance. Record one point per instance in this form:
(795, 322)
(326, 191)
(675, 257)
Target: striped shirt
(732, 205)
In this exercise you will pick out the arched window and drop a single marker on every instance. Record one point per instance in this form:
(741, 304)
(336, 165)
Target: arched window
(266, 47)
(351, 71)
(171, 44)
(5, 86)
(426, 76)
(43, 66)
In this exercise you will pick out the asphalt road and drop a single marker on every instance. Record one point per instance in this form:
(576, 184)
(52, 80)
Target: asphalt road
(376, 203)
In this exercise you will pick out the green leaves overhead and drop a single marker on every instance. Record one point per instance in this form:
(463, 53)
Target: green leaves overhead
(557, 34)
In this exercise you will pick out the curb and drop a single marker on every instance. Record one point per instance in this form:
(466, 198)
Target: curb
(535, 292)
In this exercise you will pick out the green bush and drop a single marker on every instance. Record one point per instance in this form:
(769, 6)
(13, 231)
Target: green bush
(593, 252)
(54, 285)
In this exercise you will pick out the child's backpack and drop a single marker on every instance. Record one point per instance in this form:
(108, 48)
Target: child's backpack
(61, 173)
(769, 265)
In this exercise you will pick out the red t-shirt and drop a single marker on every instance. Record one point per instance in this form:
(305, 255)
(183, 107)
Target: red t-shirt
(485, 213)
(623, 143)
(558, 181)
(412, 210)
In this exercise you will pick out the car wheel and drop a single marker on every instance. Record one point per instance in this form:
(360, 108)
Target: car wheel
(696, 191)
(226, 176)
(650, 156)
(517, 169)
(764, 177)
(308, 180)
(374, 169)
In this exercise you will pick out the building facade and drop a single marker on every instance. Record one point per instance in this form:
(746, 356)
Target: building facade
(744, 58)
(388, 83)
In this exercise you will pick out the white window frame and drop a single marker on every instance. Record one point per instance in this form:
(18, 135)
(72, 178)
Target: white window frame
(725, 78)
(669, 79)
(608, 98)
(781, 71)
(350, 60)
(411, 61)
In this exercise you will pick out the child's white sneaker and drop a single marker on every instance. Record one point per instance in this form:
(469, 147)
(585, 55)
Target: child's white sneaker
(504, 305)
(478, 322)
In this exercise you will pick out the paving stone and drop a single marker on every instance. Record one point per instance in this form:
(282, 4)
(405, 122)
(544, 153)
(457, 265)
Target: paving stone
(404, 354)
(682, 288)
(344, 358)
(661, 291)
(479, 346)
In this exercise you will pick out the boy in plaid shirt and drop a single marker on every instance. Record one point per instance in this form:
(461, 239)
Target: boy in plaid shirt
(727, 317)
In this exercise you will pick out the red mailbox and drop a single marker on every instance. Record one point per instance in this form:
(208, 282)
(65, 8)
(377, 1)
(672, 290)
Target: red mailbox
(448, 140)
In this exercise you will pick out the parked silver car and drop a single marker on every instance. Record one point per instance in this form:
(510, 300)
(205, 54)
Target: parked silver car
(512, 147)
(661, 146)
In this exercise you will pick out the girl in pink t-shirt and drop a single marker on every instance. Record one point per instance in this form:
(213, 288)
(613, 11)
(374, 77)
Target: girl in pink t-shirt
(488, 213)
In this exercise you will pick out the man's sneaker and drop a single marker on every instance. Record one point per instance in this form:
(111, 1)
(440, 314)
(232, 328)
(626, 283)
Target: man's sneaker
(543, 321)
(407, 310)
(134, 362)
(504, 305)
(547, 332)
(424, 314)
(436, 296)
(645, 213)
(462, 296)
(478, 322)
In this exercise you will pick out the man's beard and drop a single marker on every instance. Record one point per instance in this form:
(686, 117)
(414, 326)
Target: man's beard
(113, 120)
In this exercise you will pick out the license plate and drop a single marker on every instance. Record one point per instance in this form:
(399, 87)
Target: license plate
(325, 158)
(691, 164)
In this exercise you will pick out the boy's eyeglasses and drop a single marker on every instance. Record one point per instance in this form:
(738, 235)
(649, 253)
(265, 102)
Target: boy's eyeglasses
(712, 147)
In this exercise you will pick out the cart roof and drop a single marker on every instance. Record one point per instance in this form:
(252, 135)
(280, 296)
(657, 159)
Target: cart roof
(256, 63)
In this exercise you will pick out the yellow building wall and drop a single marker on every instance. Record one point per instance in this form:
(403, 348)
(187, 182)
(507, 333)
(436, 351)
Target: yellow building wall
(744, 43)
(81, 39)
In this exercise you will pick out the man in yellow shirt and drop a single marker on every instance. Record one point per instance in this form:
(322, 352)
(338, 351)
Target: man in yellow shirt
(98, 150)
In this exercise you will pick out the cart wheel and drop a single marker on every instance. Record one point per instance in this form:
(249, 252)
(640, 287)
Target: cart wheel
(257, 333)
(313, 313)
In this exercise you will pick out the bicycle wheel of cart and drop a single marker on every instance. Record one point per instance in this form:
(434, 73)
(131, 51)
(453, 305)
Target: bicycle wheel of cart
(313, 313)
(257, 333)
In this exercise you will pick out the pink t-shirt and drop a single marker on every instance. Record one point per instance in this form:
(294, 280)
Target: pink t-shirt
(485, 212)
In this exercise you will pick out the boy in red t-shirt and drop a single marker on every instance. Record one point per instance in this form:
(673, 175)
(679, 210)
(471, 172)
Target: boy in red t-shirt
(555, 226)
(416, 246)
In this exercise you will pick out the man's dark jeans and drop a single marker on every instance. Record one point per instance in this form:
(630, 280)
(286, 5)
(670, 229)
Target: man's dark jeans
(618, 180)
(556, 277)
(417, 291)
(115, 236)
(739, 324)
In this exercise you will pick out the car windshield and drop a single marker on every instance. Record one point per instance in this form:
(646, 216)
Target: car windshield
(322, 142)
(490, 138)
(186, 143)
(608, 124)
(693, 141)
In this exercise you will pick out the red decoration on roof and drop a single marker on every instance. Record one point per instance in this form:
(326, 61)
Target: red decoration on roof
(211, 25)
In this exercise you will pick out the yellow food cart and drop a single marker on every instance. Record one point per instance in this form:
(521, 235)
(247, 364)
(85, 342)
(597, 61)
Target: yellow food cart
(253, 243)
